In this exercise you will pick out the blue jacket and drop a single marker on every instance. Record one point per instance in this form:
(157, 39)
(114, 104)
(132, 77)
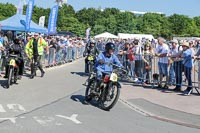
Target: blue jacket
(1, 40)
(105, 67)
(187, 55)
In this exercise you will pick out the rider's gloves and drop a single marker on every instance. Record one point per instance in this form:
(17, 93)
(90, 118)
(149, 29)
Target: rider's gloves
(101, 61)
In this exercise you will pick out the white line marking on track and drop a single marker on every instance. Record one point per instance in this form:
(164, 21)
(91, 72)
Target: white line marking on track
(43, 120)
(13, 120)
(73, 118)
(2, 110)
(16, 107)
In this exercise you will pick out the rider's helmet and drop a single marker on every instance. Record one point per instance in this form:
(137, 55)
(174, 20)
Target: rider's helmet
(92, 42)
(17, 40)
(109, 46)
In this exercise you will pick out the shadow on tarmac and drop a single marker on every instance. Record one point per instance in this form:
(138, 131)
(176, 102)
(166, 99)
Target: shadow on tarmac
(82, 74)
(81, 99)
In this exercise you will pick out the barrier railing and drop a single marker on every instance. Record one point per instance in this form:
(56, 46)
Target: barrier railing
(151, 74)
(53, 57)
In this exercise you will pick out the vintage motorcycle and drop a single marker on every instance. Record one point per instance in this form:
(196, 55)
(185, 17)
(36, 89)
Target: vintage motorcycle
(13, 70)
(91, 60)
(107, 93)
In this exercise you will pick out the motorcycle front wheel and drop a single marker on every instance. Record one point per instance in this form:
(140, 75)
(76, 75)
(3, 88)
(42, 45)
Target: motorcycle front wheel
(10, 76)
(110, 97)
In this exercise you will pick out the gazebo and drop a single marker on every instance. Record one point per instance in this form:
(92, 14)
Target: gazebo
(15, 23)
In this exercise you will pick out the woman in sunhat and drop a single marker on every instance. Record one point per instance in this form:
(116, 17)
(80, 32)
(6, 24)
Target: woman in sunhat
(187, 62)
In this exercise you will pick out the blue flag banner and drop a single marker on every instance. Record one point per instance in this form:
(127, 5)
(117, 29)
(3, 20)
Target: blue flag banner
(52, 20)
(29, 11)
(88, 34)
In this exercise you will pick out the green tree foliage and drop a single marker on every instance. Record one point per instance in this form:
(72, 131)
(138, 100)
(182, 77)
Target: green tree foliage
(112, 20)
(7, 10)
(88, 16)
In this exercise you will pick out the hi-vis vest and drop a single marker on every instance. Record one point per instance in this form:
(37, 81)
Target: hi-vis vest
(29, 47)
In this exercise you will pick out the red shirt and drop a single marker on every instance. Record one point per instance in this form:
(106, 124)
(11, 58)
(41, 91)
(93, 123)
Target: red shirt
(131, 56)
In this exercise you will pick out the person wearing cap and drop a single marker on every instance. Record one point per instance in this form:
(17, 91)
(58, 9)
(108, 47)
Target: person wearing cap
(34, 50)
(187, 62)
(175, 54)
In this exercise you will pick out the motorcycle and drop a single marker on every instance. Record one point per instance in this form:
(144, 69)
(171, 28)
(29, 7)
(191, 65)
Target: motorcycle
(13, 70)
(107, 93)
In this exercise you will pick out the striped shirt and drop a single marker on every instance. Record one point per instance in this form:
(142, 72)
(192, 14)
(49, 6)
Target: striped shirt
(164, 49)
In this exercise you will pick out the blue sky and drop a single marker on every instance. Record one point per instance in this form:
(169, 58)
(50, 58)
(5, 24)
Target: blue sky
(190, 8)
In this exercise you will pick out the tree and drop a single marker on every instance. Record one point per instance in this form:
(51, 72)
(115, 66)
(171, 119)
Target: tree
(179, 25)
(97, 29)
(112, 20)
(88, 16)
(125, 22)
(7, 10)
(108, 24)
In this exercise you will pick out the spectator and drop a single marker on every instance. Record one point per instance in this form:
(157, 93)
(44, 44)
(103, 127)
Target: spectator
(139, 63)
(131, 58)
(175, 54)
(52, 49)
(148, 55)
(162, 51)
(187, 62)
(1, 60)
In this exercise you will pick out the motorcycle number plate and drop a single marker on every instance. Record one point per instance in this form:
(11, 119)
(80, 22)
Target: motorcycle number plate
(113, 77)
(90, 58)
(12, 62)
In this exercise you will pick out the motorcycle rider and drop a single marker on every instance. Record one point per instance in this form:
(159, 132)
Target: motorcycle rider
(103, 60)
(35, 50)
(16, 49)
(90, 50)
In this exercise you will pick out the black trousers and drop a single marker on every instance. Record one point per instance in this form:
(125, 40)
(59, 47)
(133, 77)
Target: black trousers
(86, 65)
(178, 69)
(36, 62)
(139, 68)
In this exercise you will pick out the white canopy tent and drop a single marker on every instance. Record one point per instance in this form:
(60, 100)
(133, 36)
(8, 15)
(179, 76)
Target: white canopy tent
(105, 35)
(132, 36)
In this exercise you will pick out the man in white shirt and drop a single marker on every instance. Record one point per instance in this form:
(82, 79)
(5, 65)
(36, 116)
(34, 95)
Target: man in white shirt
(162, 51)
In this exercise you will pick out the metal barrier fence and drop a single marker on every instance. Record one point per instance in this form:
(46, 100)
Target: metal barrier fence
(53, 57)
(137, 70)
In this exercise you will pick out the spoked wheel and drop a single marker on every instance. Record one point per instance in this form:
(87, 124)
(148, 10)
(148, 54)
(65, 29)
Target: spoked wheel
(110, 98)
(90, 67)
(10, 76)
(90, 87)
(16, 74)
